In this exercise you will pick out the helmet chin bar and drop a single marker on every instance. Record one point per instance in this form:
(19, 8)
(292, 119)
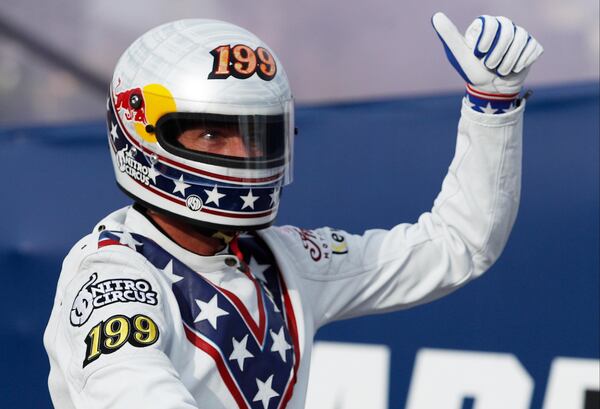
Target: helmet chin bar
(224, 236)
(205, 228)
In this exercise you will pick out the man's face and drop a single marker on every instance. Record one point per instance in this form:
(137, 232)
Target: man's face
(220, 139)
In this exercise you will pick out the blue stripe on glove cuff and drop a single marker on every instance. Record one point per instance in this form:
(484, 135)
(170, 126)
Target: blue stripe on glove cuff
(489, 103)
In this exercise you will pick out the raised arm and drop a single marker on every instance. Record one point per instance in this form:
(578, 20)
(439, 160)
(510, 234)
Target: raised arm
(472, 216)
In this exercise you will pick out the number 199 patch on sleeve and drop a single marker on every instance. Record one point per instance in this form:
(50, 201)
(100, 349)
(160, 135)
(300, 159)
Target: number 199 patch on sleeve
(110, 335)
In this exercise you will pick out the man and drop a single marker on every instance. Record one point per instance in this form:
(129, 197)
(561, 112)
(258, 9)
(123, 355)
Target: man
(188, 299)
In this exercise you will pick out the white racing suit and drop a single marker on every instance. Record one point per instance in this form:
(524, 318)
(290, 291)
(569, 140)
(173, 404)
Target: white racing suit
(139, 322)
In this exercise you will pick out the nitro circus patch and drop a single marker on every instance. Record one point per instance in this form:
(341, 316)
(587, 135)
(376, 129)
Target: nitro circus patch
(129, 164)
(97, 295)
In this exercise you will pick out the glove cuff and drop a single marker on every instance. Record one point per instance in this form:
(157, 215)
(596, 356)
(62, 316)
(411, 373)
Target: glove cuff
(489, 103)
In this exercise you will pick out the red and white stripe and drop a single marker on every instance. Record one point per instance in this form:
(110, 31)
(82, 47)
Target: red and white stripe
(489, 96)
(205, 344)
(293, 328)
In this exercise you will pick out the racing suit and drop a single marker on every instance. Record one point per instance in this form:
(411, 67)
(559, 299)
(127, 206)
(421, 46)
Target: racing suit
(140, 322)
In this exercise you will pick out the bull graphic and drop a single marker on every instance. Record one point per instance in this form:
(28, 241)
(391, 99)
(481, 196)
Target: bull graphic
(83, 304)
(131, 101)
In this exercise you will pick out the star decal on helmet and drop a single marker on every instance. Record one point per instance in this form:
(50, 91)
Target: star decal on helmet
(213, 196)
(249, 200)
(180, 186)
(113, 132)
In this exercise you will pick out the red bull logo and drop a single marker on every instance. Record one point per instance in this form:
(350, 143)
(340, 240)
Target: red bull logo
(143, 106)
(131, 101)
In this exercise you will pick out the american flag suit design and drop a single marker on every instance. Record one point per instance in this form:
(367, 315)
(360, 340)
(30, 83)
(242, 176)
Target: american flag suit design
(258, 361)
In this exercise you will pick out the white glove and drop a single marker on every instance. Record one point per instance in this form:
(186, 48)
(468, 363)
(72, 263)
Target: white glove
(493, 57)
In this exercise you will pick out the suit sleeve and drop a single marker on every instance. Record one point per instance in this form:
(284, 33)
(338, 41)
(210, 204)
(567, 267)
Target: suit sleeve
(342, 275)
(116, 322)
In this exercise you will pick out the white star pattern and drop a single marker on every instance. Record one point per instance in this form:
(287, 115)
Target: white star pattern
(113, 132)
(488, 109)
(265, 392)
(168, 271)
(210, 311)
(275, 197)
(214, 196)
(258, 270)
(180, 186)
(240, 353)
(249, 200)
(511, 107)
(279, 343)
(127, 239)
(469, 103)
(152, 174)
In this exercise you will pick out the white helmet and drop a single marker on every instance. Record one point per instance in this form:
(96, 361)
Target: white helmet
(208, 75)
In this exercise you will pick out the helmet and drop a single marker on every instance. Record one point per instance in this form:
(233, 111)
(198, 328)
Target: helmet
(223, 87)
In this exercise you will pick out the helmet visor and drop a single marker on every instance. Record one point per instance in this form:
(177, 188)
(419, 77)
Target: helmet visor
(233, 141)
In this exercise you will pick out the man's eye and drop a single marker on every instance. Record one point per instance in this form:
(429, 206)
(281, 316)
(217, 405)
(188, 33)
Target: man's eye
(209, 136)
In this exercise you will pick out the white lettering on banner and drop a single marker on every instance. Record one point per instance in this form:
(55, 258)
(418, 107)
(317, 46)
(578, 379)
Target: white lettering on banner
(569, 379)
(349, 376)
(443, 379)
(353, 376)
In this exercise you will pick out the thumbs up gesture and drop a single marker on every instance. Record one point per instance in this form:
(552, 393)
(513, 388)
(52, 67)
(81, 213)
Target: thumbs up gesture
(494, 55)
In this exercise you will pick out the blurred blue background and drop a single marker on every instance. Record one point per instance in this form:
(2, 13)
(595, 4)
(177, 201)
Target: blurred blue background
(358, 166)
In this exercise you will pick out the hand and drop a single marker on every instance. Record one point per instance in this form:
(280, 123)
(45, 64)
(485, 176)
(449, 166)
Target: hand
(493, 57)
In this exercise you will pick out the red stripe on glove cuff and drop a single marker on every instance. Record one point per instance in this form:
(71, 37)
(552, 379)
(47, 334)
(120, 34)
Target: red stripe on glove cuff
(486, 95)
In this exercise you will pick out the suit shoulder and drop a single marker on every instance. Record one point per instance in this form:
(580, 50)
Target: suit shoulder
(310, 247)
